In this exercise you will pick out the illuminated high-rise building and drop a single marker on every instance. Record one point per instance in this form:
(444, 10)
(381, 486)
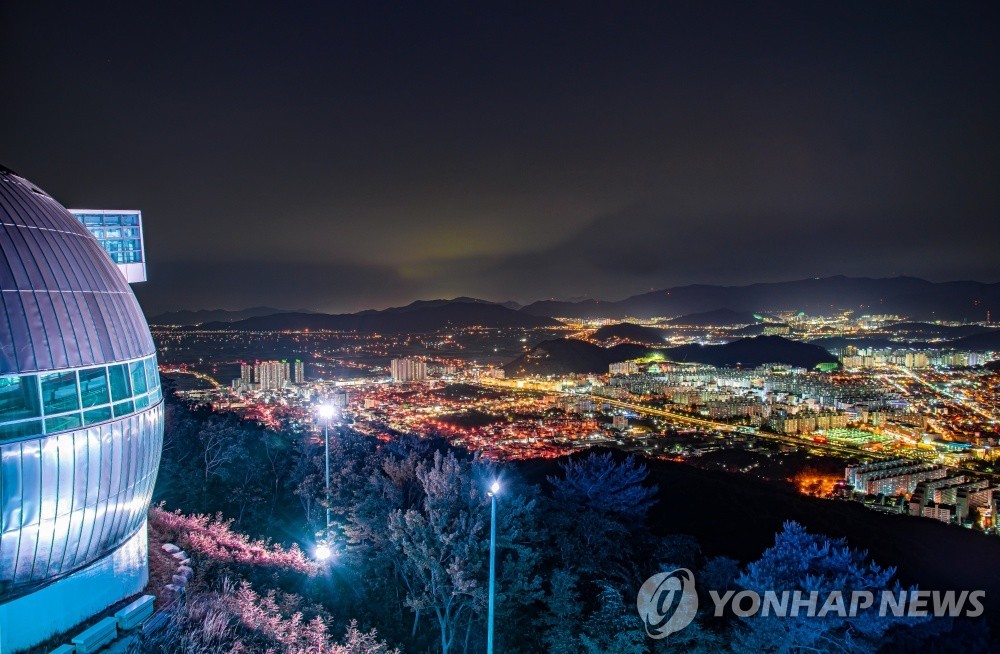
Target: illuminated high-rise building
(298, 372)
(271, 375)
(404, 370)
(81, 422)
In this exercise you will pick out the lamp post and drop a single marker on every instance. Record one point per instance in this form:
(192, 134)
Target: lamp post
(494, 490)
(326, 412)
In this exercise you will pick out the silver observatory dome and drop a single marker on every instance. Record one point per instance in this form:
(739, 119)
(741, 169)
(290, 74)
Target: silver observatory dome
(81, 410)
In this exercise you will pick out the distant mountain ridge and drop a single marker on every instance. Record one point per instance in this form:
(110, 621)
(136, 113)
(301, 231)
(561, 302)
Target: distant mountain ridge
(565, 356)
(752, 352)
(923, 329)
(985, 341)
(982, 342)
(417, 305)
(917, 299)
(200, 316)
(420, 316)
(910, 297)
(716, 318)
(629, 331)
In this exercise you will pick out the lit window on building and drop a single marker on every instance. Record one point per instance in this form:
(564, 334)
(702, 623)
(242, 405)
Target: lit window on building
(120, 234)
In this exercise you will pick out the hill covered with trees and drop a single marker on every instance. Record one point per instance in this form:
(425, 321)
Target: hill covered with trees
(575, 540)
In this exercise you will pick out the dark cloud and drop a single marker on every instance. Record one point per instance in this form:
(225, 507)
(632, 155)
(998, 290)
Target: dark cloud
(285, 285)
(513, 151)
(645, 248)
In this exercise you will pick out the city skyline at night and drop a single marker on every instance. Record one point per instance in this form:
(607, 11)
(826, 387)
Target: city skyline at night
(516, 328)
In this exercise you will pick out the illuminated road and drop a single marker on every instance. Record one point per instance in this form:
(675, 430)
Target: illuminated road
(963, 402)
(200, 375)
(547, 387)
(841, 450)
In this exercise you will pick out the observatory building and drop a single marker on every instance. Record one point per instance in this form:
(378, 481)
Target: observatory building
(81, 422)
(120, 234)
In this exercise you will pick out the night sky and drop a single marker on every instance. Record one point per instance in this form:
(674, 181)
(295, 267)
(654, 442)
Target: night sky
(370, 154)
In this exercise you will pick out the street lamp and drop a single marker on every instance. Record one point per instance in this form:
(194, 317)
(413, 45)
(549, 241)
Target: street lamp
(494, 491)
(326, 412)
(323, 552)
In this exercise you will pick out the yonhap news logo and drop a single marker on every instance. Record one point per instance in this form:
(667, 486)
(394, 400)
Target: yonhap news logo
(667, 602)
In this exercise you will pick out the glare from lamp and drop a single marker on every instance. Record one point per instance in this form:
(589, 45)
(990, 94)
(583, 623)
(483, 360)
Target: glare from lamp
(323, 552)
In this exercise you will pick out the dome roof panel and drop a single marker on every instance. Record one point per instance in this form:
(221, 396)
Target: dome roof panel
(64, 302)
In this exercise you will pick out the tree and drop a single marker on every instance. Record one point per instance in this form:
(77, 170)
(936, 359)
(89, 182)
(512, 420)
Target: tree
(277, 453)
(598, 509)
(719, 573)
(695, 638)
(244, 477)
(613, 628)
(307, 481)
(444, 547)
(560, 621)
(812, 562)
(600, 483)
(218, 439)
(240, 620)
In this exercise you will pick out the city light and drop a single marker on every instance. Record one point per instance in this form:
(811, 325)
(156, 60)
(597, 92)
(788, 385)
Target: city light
(670, 279)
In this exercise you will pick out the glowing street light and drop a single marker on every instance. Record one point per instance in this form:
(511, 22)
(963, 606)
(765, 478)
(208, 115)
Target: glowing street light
(323, 552)
(494, 491)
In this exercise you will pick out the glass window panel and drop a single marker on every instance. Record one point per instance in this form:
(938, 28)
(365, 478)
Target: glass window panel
(152, 374)
(124, 408)
(94, 387)
(130, 232)
(94, 416)
(112, 232)
(59, 392)
(112, 219)
(91, 219)
(20, 430)
(130, 219)
(19, 398)
(138, 373)
(120, 387)
(62, 423)
(141, 402)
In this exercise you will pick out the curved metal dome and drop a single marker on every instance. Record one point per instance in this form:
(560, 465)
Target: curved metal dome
(81, 415)
(64, 303)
